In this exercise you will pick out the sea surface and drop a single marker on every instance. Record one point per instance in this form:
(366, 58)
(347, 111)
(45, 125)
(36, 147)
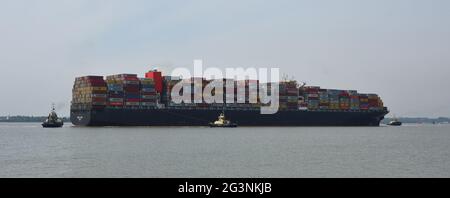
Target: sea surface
(28, 150)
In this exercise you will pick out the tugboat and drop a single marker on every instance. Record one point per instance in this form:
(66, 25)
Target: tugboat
(52, 120)
(223, 122)
(395, 122)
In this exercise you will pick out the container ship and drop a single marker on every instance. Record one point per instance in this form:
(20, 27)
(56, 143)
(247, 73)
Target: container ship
(127, 100)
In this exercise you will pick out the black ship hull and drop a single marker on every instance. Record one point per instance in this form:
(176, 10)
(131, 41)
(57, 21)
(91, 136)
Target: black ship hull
(52, 125)
(198, 117)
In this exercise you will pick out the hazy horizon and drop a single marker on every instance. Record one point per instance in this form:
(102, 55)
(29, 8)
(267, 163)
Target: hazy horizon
(397, 49)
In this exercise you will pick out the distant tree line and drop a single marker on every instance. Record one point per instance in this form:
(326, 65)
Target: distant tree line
(26, 118)
(439, 120)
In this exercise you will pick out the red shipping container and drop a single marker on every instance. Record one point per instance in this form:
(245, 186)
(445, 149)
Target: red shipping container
(98, 99)
(95, 80)
(131, 78)
(131, 89)
(344, 94)
(98, 84)
(133, 100)
(116, 104)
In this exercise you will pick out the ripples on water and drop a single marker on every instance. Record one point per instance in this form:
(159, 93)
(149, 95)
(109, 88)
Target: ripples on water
(27, 150)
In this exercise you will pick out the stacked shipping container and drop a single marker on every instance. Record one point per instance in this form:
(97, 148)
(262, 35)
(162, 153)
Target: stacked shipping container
(115, 93)
(324, 101)
(129, 91)
(344, 100)
(130, 85)
(354, 100)
(89, 92)
(197, 86)
(236, 94)
(149, 96)
(363, 102)
(246, 93)
(315, 98)
(230, 93)
(168, 83)
(312, 97)
(219, 90)
(252, 93)
(288, 95)
(375, 102)
(333, 96)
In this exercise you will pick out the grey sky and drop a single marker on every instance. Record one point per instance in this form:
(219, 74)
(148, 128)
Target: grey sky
(397, 48)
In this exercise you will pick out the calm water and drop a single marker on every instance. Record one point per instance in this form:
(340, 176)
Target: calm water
(27, 150)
